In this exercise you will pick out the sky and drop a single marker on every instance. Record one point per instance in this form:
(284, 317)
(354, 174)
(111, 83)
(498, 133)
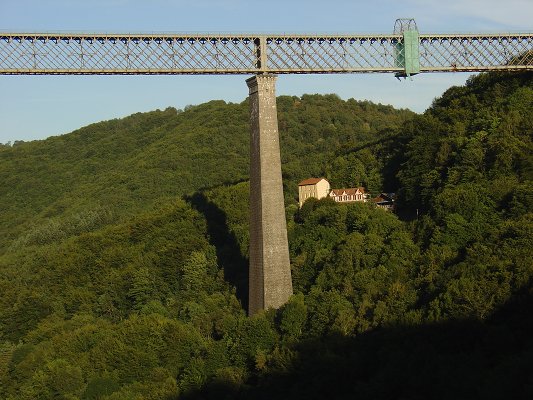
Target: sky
(36, 107)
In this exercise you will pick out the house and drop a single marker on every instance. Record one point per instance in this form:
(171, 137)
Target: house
(312, 187)
(348, 195)
(385, 201)
(319, 188)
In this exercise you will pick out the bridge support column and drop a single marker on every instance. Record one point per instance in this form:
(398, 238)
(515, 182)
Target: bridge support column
(270, 282)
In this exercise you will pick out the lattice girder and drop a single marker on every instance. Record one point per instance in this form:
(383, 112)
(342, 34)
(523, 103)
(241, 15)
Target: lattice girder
(25, 53)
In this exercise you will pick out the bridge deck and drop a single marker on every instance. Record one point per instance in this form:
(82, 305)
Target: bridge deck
(88, 54)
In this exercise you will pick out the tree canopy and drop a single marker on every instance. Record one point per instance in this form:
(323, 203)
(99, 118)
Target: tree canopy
(124, 254)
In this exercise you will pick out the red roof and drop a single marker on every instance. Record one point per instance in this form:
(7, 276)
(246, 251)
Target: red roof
(384, 197)
(310, 181)
(350, 191)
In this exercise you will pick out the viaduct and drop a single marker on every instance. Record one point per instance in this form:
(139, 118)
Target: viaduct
(405, 52)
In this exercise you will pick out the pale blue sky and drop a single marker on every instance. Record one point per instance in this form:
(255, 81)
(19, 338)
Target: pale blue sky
(35, 107)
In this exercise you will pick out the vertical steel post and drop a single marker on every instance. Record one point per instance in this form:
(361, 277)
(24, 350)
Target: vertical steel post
(270, 282)
(261, 62)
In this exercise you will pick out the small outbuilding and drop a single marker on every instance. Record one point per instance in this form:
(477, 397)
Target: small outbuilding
(385, 201)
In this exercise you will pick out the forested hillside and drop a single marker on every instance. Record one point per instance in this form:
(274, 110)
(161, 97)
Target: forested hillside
(114, 169)
(124, 245)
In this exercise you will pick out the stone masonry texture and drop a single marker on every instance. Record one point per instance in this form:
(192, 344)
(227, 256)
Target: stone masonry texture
(270, 282)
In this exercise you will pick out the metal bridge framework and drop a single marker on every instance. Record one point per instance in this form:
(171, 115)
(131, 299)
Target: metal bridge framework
(88, 54)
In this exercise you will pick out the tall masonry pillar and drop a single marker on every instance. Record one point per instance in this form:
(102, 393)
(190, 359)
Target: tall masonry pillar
(270, 282)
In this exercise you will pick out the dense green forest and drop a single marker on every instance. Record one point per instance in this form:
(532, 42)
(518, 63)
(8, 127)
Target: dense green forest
(124, 252)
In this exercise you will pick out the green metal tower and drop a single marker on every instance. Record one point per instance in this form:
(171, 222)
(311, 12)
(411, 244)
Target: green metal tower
(406, 51)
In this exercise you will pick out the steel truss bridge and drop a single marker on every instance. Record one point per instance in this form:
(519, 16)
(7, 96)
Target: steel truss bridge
(135, 54)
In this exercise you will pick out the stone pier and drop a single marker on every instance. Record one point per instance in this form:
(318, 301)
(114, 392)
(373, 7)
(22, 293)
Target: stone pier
(270, 282)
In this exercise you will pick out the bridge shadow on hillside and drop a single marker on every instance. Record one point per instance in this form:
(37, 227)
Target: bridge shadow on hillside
(465, 359)
(229, 255)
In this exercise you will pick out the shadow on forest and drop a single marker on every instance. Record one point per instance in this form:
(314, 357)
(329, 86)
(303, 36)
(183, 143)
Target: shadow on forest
(455, 360)
(229, 255)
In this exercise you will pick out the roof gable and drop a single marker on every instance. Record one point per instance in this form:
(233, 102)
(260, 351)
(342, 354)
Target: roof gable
(349, 192)
(385, 197)
(311, 181)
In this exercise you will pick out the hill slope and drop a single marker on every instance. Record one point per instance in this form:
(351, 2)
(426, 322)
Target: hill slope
(116, 168)
(141, 297)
